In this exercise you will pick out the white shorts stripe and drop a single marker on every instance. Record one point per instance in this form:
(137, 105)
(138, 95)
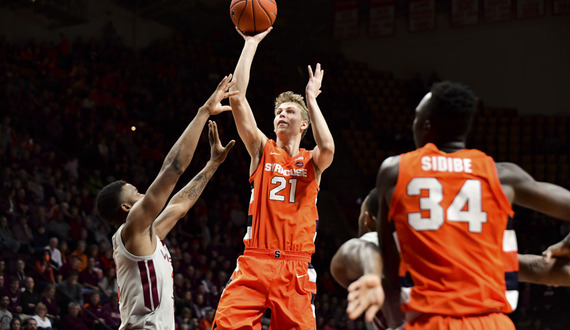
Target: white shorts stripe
(510, 241)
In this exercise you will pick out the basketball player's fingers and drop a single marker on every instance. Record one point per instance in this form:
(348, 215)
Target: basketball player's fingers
(222, 83)
(210, 136)
(224, 108)
(215, 131)
(229, 146)
(230, 94)
(310, 71)
(354, 310)
(240, 33)
(231, 83)
(371, 313)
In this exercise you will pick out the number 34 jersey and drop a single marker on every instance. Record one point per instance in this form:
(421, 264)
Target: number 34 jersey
(282, 209)
(453, 227)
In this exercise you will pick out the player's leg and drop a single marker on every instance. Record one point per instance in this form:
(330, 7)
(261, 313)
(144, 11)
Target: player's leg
(292, 300)
(243, 301)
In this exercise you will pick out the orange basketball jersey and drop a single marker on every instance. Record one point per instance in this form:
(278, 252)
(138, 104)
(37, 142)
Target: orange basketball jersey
(282, 210)
(453, 226)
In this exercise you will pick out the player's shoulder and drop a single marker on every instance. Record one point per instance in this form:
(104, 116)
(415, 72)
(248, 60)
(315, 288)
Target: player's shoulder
(510, 172)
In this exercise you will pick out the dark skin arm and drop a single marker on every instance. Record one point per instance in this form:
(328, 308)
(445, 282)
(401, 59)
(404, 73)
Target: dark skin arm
(353, 259)
(137, 234)
(366, 294)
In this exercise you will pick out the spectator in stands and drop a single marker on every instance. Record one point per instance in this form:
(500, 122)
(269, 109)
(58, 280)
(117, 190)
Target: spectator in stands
(14, 294)
(5, 315)
(55, 253)
(43, 321)
(208, 319)
(108, 284)
(7, 239)
(111, 312)
(20, 271)
(89, 278)
(16, 324)
(48, 299)
(72, 320)
(69, 267)
(31, 324)
(93, 312)
(70, 290)
(80, 252)
(58, 227)
(23, 233)
(44, 268)
(2, 282)
(29, 298)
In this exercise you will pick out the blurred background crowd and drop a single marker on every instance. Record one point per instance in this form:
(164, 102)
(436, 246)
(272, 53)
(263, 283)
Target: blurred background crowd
(78, 114)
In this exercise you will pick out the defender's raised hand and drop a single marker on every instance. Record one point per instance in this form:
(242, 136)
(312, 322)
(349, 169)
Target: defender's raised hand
(213, 105)
(218, 152)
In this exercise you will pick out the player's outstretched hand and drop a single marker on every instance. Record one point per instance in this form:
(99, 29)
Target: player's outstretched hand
(315, 81)
(257, 37)
(560, 249)
(218, 152)
(365, 295)
(213, 105)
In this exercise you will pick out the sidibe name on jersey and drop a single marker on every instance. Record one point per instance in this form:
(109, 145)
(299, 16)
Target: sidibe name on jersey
(271, 167)
(446, 164)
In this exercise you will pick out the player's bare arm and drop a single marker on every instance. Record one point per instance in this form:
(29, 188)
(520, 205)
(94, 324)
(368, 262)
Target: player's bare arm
(181, 202)
(560, 249)
(137, 234)
(523, 190)
(323, 153)
(248, 131)
(353, 259)
(535, 269)
(361, 302)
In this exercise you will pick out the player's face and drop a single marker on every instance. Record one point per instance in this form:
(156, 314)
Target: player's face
(131, 194)
(288, 119)
(419, 120)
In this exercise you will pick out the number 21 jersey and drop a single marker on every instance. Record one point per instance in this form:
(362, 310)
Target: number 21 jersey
(282, 210)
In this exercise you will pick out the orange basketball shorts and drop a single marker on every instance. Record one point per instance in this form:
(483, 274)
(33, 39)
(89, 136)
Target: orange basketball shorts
(283, 281)
(493, 321)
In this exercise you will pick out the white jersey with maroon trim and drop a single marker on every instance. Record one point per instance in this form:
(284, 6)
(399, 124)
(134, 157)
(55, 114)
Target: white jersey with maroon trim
(146, 288)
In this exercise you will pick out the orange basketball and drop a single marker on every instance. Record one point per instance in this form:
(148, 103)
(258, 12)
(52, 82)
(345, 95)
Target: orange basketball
(253, 16)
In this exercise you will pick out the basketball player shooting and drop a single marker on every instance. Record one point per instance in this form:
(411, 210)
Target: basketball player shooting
(275, 270)
(144, 269)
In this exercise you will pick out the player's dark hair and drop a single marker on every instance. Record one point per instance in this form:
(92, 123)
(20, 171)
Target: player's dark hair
(372, 204)
(451, 109)
(109, 203)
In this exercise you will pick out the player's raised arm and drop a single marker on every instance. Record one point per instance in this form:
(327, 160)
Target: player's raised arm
(323, 153)
(145, 211)
(180, 203)
(251, 136)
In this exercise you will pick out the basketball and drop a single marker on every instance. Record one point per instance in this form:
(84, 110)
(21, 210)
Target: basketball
(253, 16)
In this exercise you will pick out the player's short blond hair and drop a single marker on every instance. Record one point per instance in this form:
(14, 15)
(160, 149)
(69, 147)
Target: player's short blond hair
(300, 101)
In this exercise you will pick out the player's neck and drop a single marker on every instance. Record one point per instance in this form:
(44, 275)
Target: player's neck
(451, 146)
(291, 146)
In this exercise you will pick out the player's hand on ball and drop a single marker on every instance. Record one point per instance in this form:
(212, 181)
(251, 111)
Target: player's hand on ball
(256, 37)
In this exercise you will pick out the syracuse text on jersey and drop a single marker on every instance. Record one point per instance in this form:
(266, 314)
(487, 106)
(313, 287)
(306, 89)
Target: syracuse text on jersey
(277, 168)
